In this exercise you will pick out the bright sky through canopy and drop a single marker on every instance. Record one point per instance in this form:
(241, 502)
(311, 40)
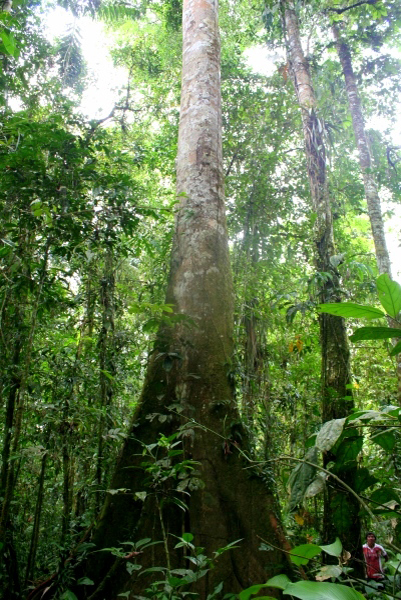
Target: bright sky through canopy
(106, 81)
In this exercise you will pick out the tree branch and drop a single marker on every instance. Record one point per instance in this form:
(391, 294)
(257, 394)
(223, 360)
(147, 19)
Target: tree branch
(339, 11)
(340, 481)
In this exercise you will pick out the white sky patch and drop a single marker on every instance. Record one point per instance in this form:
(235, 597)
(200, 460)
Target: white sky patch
(262, 60)
(380, 123)
(105, 80)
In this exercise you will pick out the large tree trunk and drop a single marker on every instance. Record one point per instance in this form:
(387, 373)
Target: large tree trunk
(188, 379)
(336, 399)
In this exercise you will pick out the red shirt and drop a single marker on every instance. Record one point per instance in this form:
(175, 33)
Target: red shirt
(373, 560)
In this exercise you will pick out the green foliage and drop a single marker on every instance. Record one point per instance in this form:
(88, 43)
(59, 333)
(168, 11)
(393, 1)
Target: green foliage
(8, 45)
(70, 58)
(68, 595)
(340, 437)
(348, 309)
(82, 194)
(301, 478)
(375, 333)
(308, 590)
(254, 589)
(329, 433)
(389, 293)
(333, 549)
(300, 555)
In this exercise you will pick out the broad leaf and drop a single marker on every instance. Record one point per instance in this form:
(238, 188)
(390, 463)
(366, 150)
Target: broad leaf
(365, 415)
(384, 495)
(254, 589)
(278, 581)
(317, 486)
(328, 572)
(311, 441)
(313, 590)
(363, 479)
(375, 333)
(396, 349)
(385, 439)
(391, 410)
(389, 293)
(85, 581)
(349, 309)
(68, 595)
(333, 549)
(301, 555)
(301, 477)
(329, 434)
(348, 450)
(9, 44)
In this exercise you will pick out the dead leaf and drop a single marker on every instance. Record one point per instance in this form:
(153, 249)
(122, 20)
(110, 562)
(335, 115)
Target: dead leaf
(328, 571)
(298, 519)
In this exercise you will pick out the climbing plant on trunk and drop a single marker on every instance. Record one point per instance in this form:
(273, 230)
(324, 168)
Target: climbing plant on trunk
(336, 397)
(365, 162)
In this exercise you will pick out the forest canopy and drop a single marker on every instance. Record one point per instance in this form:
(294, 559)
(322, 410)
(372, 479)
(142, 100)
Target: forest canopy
(200, 307)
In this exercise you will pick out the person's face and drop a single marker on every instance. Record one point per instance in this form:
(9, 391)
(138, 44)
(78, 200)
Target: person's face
(371, 539)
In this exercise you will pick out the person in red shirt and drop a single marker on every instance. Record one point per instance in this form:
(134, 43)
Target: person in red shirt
(373, 554)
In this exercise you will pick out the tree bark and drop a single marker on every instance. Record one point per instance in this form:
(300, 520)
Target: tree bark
(365, 162)
(188, 376)
(253, 360)
(30, 568)
(371, 192)
(336, 398)
(14, 384)
(107, 368)
(67, 485)
(10, 481)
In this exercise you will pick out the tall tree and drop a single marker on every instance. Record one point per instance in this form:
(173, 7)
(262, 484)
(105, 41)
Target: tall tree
(371, 191)
(189, 372)
(365, 162)
(336, 399)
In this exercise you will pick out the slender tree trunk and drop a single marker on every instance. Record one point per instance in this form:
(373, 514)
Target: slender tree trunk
(336, 398)
(106, 363)
(67, 432)
(36, 522)
(371, 192)
(365, 162)
(19, 412)
(188, 372)
(335, 363)
(9, 420)
(11, 582)
(67, 487)
(252, 358)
